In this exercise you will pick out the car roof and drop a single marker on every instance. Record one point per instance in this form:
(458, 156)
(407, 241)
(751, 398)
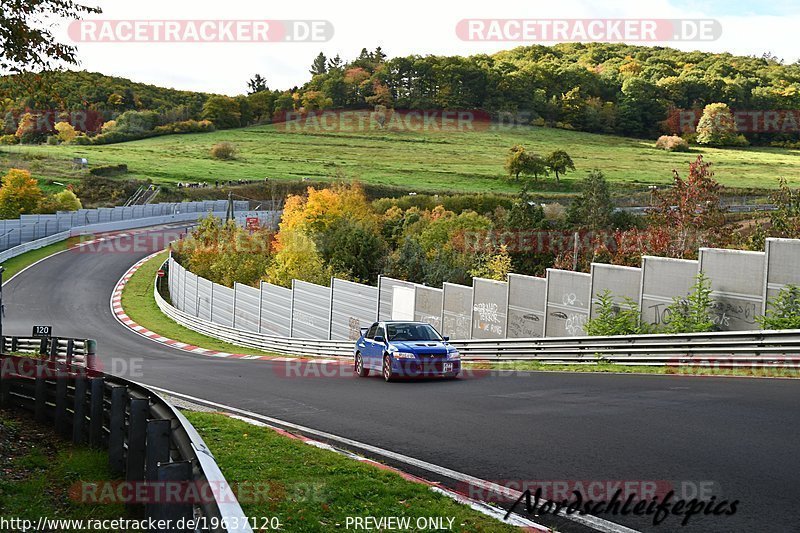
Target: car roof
(403, 322)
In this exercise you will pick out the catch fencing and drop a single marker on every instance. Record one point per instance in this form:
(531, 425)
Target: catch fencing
(743, 283)
(148, 440)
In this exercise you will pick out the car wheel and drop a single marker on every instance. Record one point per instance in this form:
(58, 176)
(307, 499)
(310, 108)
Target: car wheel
(388, 375)
(360, 370)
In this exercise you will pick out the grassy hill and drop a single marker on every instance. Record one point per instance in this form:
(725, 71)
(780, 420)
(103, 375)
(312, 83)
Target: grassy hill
(455, 162)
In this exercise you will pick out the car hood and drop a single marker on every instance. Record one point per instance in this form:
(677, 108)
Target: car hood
(425, 347)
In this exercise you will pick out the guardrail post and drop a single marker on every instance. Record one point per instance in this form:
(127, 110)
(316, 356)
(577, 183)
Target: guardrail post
(54, 349)
(116, 439)
(60, 418)
(79, 410)
(137, 433)
(90, 347)
(156, 452)
(70, 351)
(96, 388)
(13, 344)
(168, 473)
(43, 347)
(40, 401)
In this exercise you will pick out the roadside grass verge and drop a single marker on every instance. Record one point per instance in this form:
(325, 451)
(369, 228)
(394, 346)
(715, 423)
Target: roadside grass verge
(141, 307)
(39, 469)
(603, 367)
(15, 264)
(312, 490)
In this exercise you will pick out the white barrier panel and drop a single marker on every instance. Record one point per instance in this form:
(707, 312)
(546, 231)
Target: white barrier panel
(567, 303)
(353, 306)
(621, 281)
(222, 306)
(190, 293)
(783, 266)
(428, 306)
(526, 306)
(457, 311)
(489, 305)
(276, 310)
(247, 305)
(311, 310)
(396, 299)
(205, 293)
(663, 280)
(737, 283)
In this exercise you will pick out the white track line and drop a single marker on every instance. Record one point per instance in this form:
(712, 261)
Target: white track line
(590, 521)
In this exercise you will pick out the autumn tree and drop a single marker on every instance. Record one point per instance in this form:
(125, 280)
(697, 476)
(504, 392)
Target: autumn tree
(519, 161)
(66, 132)
(19, 194)
(26, 35)
(559, 161)
(689, 211)
(593, 208)
(65, 200)
(717, 126)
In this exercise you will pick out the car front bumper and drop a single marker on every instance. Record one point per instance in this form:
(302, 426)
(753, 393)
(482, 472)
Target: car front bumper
(426, 368)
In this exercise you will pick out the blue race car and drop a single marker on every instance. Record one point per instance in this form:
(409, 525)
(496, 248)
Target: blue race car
(405, 349)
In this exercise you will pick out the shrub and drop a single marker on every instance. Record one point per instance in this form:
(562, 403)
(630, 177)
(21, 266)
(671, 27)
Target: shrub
(185, 126)
(109, 170)
(692, 315)
(9, 139)
(672, 143)
(615, 319)
(52, 140)
(223, 150)
(784, 312)
(66, 132)
(82, 140)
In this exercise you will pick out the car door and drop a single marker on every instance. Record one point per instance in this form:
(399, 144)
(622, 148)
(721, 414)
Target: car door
(378, 347)
(366, 346)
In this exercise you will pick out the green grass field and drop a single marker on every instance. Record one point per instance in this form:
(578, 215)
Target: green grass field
(453, 162)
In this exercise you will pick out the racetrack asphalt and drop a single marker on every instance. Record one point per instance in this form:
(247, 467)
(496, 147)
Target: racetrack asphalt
(737, 435)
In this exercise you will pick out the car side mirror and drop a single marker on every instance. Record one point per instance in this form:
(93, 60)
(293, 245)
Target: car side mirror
(446, 338)
(379, 338)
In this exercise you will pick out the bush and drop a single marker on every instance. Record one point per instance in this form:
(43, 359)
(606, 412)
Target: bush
(9, 139)
(615, 319)
(109, 170)
(82, 140)
(784, 313)
(692, 315)
(672, 143)
(52, 140)
(223, 150)
(186, 126)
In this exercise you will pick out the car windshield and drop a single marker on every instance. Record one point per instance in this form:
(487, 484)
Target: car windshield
(412, 332)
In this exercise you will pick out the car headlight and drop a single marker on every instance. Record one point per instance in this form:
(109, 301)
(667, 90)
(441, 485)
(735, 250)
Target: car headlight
(404, 355)
(453, 354)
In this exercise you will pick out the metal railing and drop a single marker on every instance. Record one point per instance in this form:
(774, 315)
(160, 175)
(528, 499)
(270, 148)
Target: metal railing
(753, 349)
(148, 440)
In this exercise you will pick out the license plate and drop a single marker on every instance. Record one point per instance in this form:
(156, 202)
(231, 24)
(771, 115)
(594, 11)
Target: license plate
(447, 367)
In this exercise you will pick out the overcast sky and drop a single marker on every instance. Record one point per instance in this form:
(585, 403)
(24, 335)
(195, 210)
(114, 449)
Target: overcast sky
(400, 28)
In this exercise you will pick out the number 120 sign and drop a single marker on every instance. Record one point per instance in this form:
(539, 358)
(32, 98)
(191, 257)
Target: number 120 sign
(42, 331)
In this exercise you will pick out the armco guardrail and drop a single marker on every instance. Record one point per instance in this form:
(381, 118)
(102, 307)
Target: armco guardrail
(148, 440)
(760, 349)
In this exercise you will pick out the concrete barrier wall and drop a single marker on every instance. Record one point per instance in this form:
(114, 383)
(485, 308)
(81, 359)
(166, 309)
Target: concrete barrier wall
(396, 299)
(354, 306)
(737, 282)
(311, 310)
(663, 280)
(457, 311)
(526, 306)
(568, 295)
(621, 281)
(782, 260)
(522, 307)
(489, 308)
(428, 306)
